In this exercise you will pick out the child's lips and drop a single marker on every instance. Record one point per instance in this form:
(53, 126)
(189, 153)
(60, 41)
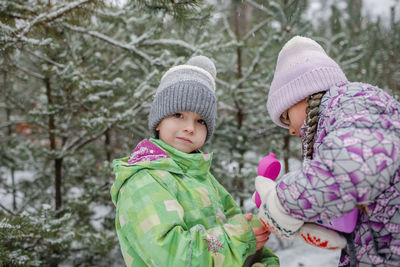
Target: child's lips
(185, 139)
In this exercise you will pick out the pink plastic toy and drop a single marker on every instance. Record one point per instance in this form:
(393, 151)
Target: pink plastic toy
(270, 168)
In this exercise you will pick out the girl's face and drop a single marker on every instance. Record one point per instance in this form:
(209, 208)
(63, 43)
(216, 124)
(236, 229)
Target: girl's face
(295, 116)
(185, 131)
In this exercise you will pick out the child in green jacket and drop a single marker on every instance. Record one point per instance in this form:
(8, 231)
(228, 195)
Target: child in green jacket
(171, 211)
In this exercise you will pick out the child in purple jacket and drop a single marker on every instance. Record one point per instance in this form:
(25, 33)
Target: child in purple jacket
(350, 134)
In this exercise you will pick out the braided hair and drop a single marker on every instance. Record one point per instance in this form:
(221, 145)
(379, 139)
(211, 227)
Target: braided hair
(312, 122)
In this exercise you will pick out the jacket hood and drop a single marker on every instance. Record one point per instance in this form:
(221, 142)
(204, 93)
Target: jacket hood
(146, 151)
(154, 154)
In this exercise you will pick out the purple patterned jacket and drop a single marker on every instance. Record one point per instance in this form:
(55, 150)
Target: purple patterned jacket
(356, 161)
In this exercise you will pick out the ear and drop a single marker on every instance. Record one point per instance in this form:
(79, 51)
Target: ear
(158, 126)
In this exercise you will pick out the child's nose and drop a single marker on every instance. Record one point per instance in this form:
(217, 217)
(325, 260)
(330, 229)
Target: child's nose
(189, 127)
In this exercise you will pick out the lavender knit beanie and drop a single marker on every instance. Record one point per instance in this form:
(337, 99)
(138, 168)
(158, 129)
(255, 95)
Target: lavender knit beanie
(188, 87)
(303, 68)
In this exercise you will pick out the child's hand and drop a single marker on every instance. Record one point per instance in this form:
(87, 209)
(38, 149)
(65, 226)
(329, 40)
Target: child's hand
(272, 214)
(261, 233)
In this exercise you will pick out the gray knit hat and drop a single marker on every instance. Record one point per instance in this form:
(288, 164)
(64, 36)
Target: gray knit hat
(188, 87)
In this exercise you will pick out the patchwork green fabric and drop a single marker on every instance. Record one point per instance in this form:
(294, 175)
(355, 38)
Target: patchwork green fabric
(173, 212)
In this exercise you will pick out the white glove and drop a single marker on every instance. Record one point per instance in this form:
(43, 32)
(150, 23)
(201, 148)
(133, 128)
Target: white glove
(272, 214)
(321, 237)
(277, 220)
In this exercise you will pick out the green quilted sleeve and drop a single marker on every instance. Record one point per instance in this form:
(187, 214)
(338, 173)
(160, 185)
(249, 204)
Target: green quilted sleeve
(268, 258)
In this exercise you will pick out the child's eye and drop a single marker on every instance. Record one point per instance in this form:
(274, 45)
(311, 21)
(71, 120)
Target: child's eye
(285, 118)
(177, 115)
(203, 122)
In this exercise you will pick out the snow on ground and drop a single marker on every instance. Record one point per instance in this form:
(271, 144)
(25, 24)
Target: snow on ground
(300, 254)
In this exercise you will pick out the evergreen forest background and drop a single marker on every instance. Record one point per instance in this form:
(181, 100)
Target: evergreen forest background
(77, 78)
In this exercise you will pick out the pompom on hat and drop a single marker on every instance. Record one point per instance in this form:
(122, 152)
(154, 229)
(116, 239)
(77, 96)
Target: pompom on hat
(303, 68)
(188, 87)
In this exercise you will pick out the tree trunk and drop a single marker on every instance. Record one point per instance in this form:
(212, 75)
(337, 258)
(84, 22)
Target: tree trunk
(239, 115)
(53, 147)
(58, 182)
(286, 152)
(9, 133)
(239, 75)
(107, 143)
(355, 13)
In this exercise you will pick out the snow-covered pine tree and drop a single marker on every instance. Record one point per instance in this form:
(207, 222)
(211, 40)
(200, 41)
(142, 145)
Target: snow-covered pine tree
(86, 73)
(77, 80)
(253, 32)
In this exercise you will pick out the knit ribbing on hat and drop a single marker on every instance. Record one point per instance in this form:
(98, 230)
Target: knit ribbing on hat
(303, 68)
(184, 96)
(187, 73)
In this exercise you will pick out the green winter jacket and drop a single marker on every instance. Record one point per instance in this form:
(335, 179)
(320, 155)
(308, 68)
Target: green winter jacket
(171, 211)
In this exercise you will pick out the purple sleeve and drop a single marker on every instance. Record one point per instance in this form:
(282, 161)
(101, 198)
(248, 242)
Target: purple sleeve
(351, 166)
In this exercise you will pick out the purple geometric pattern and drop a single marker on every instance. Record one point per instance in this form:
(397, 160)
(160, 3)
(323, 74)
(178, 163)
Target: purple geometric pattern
(356, 161)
